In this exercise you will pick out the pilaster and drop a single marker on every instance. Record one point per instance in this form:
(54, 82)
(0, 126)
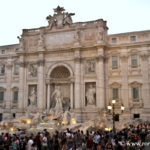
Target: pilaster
(40, 93)
(124, 72)
(100, 87)
(21, 83)
(78, 102)
(8, 88)
(145, 86)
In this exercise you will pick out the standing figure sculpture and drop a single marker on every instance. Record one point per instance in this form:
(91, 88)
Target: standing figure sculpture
(32, 97)
(51, 21)
(56, 96)
(90, 95)
(68, 19)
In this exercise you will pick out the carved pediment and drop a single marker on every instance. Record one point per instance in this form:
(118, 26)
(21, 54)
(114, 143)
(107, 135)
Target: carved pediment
(115, 85)
(135, 84)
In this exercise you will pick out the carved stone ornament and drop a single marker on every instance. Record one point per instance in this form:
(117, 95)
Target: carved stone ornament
(60, 18)
(32, 70)
(90, 66)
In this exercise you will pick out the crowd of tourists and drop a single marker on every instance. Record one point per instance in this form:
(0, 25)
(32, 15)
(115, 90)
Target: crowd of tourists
(130, 138)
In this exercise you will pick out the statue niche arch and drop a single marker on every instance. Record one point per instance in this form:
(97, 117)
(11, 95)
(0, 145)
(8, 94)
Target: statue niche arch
(60, 88)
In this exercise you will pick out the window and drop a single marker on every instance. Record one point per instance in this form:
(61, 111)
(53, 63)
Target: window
(136, 116)
(116, 117)
(3, 51)
(14, 115)
(17, 49)
(134, 61)
(114, 40)
(2, 69)
(114, 62)
(1, 96)
(15, 96)
(16, 69)
(115, 93)
(135, 93)
(1, 116)
(132, 38)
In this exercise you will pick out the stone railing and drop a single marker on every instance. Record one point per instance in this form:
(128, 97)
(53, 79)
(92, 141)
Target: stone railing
(126, 38)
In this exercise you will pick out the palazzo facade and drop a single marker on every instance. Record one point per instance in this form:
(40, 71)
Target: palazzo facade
(76, 67)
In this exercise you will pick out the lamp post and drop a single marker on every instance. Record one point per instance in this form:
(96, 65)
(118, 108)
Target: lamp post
(113, 111)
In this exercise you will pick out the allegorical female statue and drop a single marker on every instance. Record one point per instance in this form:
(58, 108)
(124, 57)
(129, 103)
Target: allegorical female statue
(57, 97)
(32, 97)
(90, 95)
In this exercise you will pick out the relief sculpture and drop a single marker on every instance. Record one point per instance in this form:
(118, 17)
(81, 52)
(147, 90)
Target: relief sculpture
(90, 66)
(32, 70)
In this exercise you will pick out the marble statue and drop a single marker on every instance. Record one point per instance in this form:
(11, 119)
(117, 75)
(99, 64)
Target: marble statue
(60, 18)
(51, 21)
(32, 97)
(90, 95)
(56, 96)
(68, 19)
(66, 117)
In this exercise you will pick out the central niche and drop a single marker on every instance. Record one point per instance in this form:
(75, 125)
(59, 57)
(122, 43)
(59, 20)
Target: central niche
(60, 89)
(60, 72)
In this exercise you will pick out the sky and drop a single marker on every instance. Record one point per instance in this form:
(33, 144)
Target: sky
(121, 15)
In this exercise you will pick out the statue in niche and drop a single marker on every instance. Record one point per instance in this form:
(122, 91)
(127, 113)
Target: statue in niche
(90, 95)
(57, 99)
(101, 35)
(33, 70)
(33, 97)
(90, 66)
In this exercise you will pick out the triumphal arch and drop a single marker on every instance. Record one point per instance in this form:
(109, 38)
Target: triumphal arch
(76, 67)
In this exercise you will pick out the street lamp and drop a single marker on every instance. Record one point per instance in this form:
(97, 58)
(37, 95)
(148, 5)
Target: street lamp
(109, 107)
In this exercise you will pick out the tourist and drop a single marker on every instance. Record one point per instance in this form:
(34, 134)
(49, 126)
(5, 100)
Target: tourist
(44, 142)
(89, 143)
(109, 145)
(30, 142)
(14, 145)
(38, 141)
(22, 143)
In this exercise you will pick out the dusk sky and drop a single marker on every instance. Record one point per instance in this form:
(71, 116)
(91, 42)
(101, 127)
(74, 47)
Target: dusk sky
(121, 15)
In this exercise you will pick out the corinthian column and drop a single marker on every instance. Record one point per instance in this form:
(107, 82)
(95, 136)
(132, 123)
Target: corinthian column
(100, 88)
(8, 88)
(124, 91)
(41, 96)
(77, 80)
(145, 76)
(21, 83)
